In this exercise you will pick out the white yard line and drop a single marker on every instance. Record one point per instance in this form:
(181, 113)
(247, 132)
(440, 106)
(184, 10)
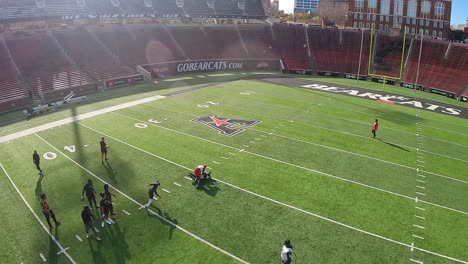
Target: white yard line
(149, 210)
(125, 212)
(69, 120)
(418, 226)
(420, 217)
(272, 159)
(420, 237)
(188, 178)
(37, 217)
(263, 197)
(419, 208)
(64, 250)
(79, 238)
(42, 257)
(166, 190)
(215, 162)
(224, 158)
(416, 261)
(177, 184)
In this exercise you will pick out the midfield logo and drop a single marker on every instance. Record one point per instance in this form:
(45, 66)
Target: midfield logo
(224, 125)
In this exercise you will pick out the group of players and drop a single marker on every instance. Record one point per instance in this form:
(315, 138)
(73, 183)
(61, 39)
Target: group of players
(106, 206)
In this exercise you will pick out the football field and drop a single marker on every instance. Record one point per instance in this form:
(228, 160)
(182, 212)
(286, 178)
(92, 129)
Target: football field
(286, 163)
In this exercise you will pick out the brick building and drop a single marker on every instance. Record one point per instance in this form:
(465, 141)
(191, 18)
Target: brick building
(428, 17)
(334, 10)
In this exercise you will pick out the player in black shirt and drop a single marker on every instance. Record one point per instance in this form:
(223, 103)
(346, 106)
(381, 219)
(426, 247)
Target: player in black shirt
(89, 189)
(151, 192)
(37, 160)
(103, 150)
(88, 220)
(109, 195)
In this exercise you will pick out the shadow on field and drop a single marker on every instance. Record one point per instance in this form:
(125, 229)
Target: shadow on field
(209, 187)
(167, 217)
(38, 190)
(118, 244)
(53, 248)
(96, 253)
(393, 145)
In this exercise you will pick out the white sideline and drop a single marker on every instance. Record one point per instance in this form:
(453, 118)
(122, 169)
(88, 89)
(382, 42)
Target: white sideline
(271, 200)
(78, 117)
(325, 146)
(37, 218)
(276, 160)
(149, 210)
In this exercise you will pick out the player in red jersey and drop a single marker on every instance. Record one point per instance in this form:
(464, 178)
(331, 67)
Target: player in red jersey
(375, 127)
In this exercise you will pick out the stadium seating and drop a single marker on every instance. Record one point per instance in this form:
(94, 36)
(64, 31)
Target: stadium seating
(290, 42)
(90, 55)
(42, 64)
(441, 67)
(148, 44)
(10, 86)
(79, 57)
(258, 40)
(14, 9)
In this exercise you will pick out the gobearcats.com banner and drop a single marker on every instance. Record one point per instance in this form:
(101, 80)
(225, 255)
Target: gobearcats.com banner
(161, 70)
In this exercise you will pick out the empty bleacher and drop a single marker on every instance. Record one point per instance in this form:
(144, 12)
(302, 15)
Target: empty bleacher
(290, 43)
(42, 64)
(89, 55)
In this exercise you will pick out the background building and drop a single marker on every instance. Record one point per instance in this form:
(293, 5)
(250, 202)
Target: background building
(428, 17)
(334, 10)
(308, 6)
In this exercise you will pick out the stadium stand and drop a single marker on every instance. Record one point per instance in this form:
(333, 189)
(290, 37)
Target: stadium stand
(149, 44)
(90, 55)
(290, 42)
(42, 63)
(258, 40)
(14, 9)
(10, 86)
(443, 66)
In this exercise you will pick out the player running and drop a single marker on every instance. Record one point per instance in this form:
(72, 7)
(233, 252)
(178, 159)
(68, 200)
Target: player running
(103, 150)
(375, 127)
(37, 160)
(151, 192)
(48, 212)
(89, 190)
(88, 220)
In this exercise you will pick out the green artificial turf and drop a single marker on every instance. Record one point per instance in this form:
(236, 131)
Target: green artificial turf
(309, 171)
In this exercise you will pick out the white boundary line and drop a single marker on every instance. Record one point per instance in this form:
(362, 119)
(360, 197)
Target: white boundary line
(149, 210)
(37, 217)
(263, 197)
(276, 160)
(63, 251)
(68, 120)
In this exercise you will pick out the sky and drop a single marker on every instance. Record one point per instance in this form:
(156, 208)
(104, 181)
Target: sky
(459, 10)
